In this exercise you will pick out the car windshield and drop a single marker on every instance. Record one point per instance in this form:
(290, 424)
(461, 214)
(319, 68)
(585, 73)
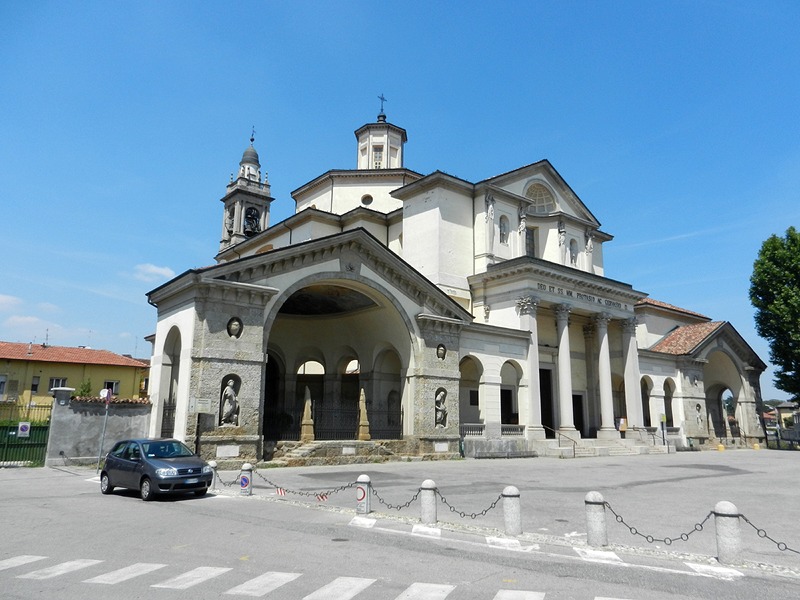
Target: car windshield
(165, 449)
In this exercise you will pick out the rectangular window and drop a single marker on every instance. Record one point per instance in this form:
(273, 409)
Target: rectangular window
(377, 157)
(473, 397)
(57, 382)
(112, 385)
(2, 384)
(35, 384)
(530, 242)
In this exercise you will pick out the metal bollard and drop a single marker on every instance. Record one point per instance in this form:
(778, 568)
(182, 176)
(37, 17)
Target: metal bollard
(428, 502)
(511, 511)
(213, 465)
(363, 484)
(246, 480)
(596, 531)
(729, 542)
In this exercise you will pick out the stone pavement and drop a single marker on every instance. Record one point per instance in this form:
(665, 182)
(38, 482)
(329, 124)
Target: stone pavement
(658, 499)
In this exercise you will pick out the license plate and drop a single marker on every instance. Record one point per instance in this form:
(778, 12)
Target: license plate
(192, 480)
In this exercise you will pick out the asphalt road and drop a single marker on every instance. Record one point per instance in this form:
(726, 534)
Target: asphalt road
(62, 539)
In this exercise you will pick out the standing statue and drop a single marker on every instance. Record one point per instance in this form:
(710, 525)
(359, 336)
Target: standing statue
(441, 409)
(230, 405)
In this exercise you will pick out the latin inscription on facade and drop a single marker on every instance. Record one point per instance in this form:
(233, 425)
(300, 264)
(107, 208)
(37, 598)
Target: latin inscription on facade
(560, 291)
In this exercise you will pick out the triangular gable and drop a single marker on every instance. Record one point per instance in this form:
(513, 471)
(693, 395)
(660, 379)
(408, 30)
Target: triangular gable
(249, 273)
(698, 339)
(518, 180)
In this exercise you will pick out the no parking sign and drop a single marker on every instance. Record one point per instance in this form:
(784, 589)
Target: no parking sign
(23, 429)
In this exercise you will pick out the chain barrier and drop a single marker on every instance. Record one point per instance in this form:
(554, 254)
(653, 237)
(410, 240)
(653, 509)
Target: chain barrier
(763, 534)
(223, 482)
(394, 506)
(463, 514)
(651, 539)
(318, 495)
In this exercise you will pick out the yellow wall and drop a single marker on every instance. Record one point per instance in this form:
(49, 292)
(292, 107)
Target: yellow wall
(130, 378)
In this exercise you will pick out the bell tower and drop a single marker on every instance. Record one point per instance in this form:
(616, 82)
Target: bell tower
(246, 203)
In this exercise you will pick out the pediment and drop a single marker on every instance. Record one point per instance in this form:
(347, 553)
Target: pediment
(358, 256)
(530, 186)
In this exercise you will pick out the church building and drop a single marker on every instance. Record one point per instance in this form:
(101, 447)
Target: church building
(427, 314)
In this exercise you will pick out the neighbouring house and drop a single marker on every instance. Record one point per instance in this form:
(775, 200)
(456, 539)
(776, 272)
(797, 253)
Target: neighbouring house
(28, 372)
(441, 313)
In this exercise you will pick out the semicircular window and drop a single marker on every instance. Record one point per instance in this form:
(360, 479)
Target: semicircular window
(325, 299)
(542, 201)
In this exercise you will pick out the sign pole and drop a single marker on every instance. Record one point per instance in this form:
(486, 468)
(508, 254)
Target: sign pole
(106, 395)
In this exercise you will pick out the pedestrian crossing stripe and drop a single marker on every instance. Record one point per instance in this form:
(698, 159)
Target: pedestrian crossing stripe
(60, 569)
(125, 573)
(263, 584)
(193, 577)
(341, 588)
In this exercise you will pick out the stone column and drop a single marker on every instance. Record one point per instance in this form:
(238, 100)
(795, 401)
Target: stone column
(633, 389)
(527, 314)
(607, 429)
(566, 422)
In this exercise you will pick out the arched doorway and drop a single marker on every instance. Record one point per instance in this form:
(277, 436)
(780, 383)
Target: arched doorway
(509, 384)
(343, 337)
(469, 406)
(669, 393)
(647, 385)
(170, 373)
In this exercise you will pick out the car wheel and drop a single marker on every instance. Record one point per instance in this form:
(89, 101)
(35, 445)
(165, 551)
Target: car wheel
(105, 484)
(146, 490)
(200, 492)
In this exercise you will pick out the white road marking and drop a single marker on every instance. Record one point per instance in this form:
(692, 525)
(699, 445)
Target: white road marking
(125, 573)
(191, 578)
(263, 584)
(602, 556)
(426, 531)
(18, 561)
(364, 522)
(507, 543)
(341, 588)
(725, 573)
(61, 569)
(426, 591)
(518, 595)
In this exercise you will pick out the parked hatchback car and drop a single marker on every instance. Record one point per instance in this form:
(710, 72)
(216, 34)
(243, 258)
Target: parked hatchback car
(155, 466)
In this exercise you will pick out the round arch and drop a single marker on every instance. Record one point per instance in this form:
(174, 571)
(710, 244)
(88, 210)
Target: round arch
(469, 403)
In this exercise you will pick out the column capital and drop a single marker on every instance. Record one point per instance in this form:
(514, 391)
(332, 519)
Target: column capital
(526, 305)
(588, 330)
(629, 325)
(562, 311)
(602, 319)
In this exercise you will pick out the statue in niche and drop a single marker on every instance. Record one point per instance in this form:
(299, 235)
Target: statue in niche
(441, 408)
(229, 223)
(251, 221)
(235, 327)
(441, 352)
(699, 417)
(229, 404)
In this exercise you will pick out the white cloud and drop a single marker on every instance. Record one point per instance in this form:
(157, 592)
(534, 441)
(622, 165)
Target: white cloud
(148, 272)
(9, 302)
(48, 307)
(21, 321)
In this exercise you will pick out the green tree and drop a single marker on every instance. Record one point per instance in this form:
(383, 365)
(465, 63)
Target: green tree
(85, 389)
(775, 294)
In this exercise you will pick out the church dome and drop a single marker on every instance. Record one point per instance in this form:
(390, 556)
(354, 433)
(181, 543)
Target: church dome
(250, 156)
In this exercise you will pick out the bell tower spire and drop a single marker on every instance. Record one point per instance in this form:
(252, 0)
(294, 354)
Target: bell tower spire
(247, 201)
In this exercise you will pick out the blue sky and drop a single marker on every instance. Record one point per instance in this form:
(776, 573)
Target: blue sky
(120, 124)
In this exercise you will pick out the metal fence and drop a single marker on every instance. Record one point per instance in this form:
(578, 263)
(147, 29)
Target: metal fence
(23, 434)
